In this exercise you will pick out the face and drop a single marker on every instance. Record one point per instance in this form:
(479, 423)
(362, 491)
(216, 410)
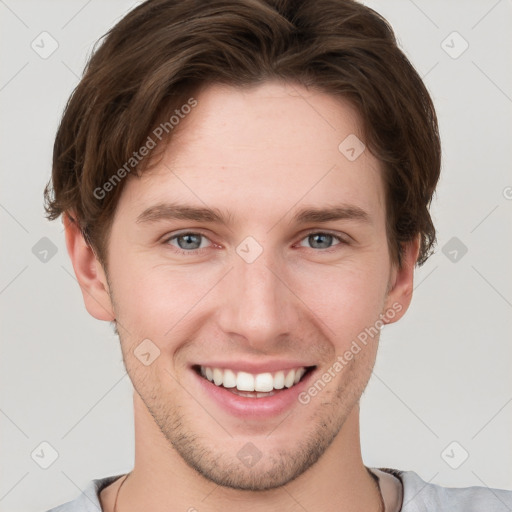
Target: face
(254, 248)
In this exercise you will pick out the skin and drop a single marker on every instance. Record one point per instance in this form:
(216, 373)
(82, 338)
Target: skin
(261, 153)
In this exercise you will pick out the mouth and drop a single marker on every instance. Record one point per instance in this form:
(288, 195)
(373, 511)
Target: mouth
(254, 385)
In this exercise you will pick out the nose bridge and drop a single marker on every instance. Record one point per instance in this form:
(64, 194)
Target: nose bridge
(257, 304)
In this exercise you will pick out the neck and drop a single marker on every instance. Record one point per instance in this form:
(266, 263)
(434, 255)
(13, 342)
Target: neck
(162, 481)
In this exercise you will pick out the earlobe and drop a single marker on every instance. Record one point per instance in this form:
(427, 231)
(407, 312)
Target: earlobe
(88, 271)
(401, 287)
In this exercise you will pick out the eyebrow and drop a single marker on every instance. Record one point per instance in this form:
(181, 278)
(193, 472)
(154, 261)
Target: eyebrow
(175, 211)
(327, 214)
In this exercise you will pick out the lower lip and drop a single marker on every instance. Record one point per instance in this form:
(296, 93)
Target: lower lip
(245, 407)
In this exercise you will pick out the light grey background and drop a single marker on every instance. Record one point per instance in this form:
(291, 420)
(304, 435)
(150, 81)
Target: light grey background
(442, 373)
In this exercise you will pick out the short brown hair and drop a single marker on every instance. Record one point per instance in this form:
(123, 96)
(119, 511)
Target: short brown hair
(165, 51)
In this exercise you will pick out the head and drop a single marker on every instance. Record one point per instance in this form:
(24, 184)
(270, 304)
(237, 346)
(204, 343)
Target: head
(247, 180)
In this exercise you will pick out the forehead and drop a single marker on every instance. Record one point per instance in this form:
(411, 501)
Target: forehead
(260, 147)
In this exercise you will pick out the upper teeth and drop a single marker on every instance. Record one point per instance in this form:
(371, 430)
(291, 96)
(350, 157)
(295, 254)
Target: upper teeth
(244, 381)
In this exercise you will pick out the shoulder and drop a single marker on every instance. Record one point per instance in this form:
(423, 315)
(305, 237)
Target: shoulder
(422, 496)
(88, 500)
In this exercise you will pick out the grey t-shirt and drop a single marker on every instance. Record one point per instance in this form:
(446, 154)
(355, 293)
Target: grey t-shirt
(402, 491)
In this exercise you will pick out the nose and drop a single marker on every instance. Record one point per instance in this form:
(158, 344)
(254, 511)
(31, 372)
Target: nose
(257, 303)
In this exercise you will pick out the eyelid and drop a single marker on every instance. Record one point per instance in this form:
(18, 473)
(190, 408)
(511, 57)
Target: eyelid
(181, 232)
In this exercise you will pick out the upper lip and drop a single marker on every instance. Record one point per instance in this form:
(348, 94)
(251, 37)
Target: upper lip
(256, 367)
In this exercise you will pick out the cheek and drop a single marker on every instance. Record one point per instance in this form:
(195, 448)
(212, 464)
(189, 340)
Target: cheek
(156, 302)
(153, 307)
(347, 299)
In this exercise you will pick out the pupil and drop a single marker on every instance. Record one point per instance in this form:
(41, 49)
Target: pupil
(316, 240)
(190, 240)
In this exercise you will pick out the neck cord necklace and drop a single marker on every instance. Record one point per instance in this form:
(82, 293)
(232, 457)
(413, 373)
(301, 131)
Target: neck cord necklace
(376, 480)
(382, 506)
(118, 490)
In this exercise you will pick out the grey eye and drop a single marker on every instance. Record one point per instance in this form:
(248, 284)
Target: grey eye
(190, 241)
(320, 240)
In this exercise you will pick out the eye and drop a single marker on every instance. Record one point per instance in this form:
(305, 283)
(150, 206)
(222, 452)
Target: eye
(187, 242)
(321, 240)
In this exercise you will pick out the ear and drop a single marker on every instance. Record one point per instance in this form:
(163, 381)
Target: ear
(88, 271)
(401, 283)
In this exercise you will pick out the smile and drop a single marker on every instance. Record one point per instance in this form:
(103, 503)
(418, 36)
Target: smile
(252, 385)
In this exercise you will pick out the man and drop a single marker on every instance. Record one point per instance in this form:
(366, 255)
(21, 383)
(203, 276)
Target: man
(245, 188)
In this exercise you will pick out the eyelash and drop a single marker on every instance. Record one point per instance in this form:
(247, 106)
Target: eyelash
(195, 252)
